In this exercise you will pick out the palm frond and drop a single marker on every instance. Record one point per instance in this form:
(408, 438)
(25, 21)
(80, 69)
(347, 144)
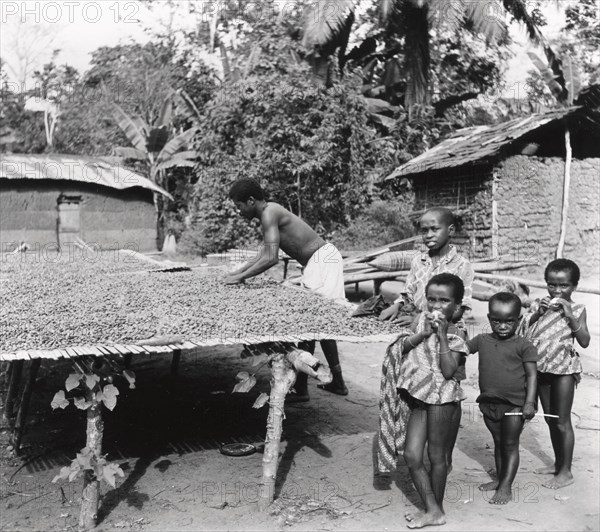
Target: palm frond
(343, 37)
(486, 19)
(175, 162)
(517, 8)
(192, 112)
(166, 111)
(175, 144)
(450, 14)
(252, 59)
(556, 89)
(572, 78)
(157, 138)
(323, 20)
(131, 153)
(134, 131)
(589, 97)
(385, 9)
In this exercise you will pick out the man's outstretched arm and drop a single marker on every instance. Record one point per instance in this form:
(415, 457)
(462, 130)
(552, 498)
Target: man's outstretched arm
(268, 255)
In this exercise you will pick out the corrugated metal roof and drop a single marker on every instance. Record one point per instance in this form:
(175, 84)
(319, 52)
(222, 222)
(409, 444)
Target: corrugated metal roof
(105, 171)
(476, 144)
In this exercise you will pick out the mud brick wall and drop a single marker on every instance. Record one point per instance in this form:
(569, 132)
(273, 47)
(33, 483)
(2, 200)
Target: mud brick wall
(108, 217)
(529, 196)
(467, 191)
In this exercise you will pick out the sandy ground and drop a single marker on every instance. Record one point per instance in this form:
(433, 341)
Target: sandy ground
(166, 435)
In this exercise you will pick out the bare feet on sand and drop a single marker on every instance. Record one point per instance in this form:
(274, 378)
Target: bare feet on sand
(411, 516)
(559, 481)
(546, 470)
(425, 519)
(502, 496)
(489, 486)
(333, 388)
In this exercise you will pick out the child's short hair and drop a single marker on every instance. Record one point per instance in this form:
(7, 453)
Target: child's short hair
(564, 265)
(445, 215)
(449, 279)
(244, 188)
(505, 297)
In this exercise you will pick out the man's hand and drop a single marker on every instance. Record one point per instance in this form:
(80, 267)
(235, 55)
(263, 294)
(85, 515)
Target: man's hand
(390, 313)
(528, 411)
(232, 279)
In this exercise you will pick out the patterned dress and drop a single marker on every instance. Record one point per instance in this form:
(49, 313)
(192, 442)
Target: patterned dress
(554, 340)
(422, 269)
(419, 373)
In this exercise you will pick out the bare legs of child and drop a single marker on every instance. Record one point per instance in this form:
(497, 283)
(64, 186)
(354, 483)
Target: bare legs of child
(556, 395)
(435, 425)
(337, 385)
(506, 434)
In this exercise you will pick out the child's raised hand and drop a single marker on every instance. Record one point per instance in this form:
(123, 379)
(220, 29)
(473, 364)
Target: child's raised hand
(565, 306)
(528, 411)
(427, 326)
(544, 304)
(441, 325)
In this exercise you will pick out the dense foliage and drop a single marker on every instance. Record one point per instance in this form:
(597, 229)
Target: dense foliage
(263, 110)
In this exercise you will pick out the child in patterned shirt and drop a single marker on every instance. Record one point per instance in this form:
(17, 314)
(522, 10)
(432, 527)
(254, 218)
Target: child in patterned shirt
(434, 353)
(438, 226)
(553, 327)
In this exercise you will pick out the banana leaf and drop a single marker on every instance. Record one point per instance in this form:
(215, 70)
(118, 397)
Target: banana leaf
(132, 127)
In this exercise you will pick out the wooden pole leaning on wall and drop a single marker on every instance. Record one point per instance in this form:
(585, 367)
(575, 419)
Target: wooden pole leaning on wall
(566, 187)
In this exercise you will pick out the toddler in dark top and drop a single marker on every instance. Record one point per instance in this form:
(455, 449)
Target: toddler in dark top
(507, 382)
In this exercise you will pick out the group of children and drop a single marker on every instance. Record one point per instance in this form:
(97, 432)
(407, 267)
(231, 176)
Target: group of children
(521, 359)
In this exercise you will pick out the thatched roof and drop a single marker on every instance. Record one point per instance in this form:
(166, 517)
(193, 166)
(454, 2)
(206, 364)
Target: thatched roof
(105, 171)
(477, 145)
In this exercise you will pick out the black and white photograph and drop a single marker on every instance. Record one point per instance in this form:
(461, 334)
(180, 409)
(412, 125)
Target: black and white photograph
(299, 265)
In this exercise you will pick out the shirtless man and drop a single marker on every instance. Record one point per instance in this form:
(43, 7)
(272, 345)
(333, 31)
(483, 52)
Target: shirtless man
(321, 262)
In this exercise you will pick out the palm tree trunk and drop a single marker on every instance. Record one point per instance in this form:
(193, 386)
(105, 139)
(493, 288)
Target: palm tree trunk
(418, 59)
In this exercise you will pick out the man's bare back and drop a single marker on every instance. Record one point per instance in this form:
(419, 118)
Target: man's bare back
(281, 230)
(296, 237)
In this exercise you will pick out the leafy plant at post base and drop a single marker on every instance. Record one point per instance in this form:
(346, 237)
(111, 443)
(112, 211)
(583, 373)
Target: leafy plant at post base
(89, 391)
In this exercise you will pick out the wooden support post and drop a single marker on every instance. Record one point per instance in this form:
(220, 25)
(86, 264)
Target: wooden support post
(377, 286)
(13, 388)
(127, 360)
(283, 377)
(90, 498)
(175, 363)
(286, 262)
(24, 406)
